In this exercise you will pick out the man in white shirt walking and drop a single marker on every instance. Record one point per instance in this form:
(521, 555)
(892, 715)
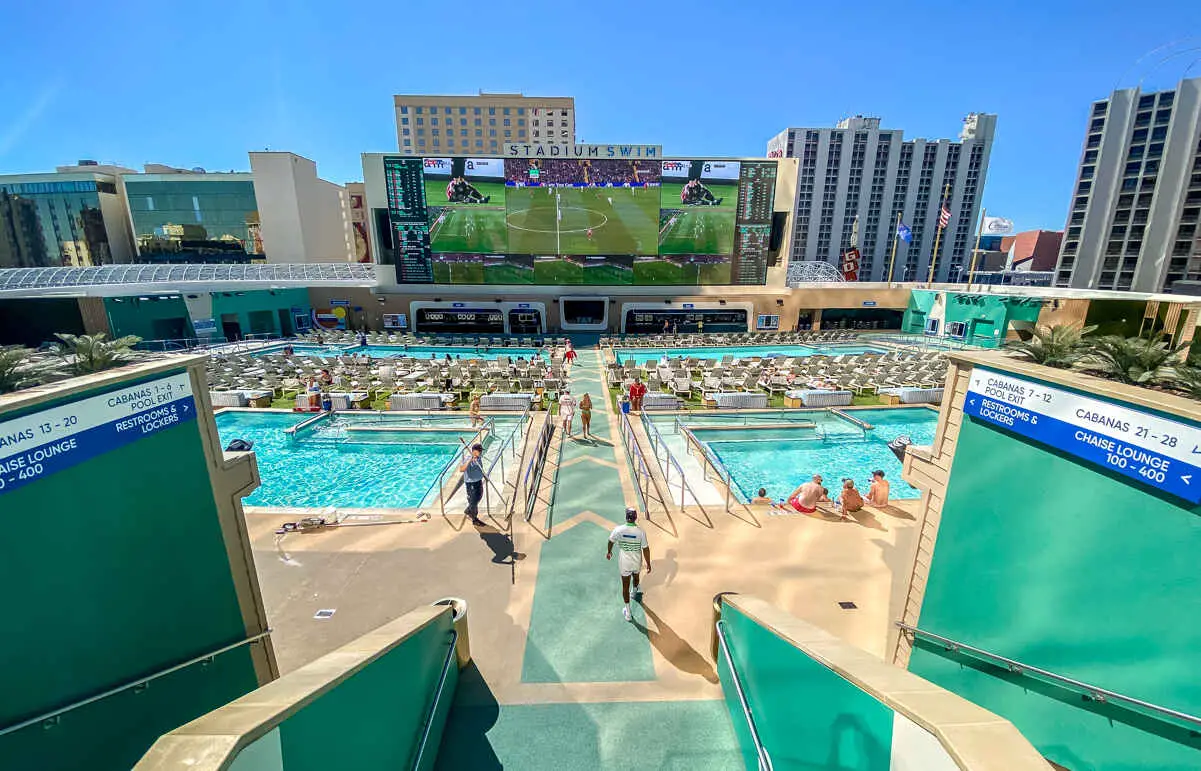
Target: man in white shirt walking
(633, 551)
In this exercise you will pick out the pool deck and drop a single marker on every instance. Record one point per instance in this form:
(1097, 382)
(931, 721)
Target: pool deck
(371, 573)
(544, 605)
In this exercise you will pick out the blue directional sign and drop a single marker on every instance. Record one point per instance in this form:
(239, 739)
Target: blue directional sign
(40, 444)
(1151, 449)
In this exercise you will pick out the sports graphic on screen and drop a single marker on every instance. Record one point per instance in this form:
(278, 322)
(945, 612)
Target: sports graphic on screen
(599, 222)
(466, 202)
(699, 200)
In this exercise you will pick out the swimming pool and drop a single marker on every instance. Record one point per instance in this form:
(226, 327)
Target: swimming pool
(397, 351)
(780, 458)
(645, 355)
(332, 466)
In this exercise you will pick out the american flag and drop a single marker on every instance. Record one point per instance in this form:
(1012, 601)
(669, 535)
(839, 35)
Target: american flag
(944, 216)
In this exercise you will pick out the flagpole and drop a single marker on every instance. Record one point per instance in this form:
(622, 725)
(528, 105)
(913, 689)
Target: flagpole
(971, 274)
(938, 236)
(896, 236)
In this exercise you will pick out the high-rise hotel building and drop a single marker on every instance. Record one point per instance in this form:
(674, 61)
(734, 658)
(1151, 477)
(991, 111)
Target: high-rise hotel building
(462, 125)
(1133, 218)
(858, 169)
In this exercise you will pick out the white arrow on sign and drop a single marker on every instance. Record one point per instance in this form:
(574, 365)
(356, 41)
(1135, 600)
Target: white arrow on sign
(1186, 479)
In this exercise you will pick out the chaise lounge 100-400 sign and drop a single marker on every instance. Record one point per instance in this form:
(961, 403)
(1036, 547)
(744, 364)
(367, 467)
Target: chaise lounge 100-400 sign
(1157, 451)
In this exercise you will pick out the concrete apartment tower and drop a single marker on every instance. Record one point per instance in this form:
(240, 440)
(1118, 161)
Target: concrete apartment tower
(1133, 219)
(858, 169)
(480, 125)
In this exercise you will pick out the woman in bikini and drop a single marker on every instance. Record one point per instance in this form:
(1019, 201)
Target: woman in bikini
(586, 413)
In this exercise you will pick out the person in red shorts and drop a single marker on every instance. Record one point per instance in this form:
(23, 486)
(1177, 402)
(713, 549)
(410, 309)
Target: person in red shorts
(637, 391)
(805, 498)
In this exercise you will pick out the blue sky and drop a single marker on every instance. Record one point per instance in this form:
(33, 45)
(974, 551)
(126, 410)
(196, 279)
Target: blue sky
(201, 84)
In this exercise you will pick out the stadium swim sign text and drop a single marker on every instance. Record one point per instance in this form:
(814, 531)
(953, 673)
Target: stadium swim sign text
(40, 444)
(522, 150)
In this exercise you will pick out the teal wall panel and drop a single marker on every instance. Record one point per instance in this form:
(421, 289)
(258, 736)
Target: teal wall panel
(808, 716)
(986, 318)
(1055, 563)
(374, 719)
(117, 569)
(258, 311)
(151, 318)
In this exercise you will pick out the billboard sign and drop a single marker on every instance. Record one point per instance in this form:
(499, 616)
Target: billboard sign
(523, 150)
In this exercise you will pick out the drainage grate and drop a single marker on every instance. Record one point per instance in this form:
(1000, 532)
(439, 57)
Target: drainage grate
(325, 613)
(847, 605)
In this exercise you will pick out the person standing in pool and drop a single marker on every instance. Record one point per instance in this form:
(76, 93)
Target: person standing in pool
(566, 410)
(472, 470)
(633, 552)
(586, 414)
(474, 411)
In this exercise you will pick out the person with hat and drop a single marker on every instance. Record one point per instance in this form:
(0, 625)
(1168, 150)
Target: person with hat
(633, 551)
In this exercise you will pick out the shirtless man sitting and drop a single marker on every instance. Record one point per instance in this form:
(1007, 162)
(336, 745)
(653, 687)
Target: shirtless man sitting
(806, 497)
(877, 494)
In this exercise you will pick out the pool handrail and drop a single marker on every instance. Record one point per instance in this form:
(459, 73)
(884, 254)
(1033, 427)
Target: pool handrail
(499, 457)
(656, 438)
(722, 472)
(848, 416)
(432, 715)
(760, 751)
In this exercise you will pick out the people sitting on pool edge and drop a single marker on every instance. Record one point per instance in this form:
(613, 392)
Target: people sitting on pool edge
(850, 501)
(877, 494)
(806, 497)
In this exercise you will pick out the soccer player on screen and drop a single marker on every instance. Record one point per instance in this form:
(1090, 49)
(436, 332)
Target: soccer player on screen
(696, 194)
(459, 190)
(589, 234)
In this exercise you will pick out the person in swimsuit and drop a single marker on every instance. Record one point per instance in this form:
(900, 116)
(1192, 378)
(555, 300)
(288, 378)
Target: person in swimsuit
(850, 500)
(877, 494)
(566, 410)
(805, 498)
(476, 418)
(586, 414)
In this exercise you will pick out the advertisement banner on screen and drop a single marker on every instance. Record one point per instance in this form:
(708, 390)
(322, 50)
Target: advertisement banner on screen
(702, 170)
(485, 168)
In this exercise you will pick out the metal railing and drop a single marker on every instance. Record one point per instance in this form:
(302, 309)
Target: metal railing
(499, 458)
(643, 479)
(1091, 692)
(710, 461)
(433, 713)
(52, 716)
(760, 751)
(533, 470)
(668, 461)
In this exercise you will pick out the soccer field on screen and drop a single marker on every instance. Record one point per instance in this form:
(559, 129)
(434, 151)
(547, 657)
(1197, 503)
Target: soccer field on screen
(557, 220)
(698, 229)
(467, 228)
(667, 273)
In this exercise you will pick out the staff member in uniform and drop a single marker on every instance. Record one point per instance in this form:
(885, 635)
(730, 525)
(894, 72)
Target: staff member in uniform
(473, 479)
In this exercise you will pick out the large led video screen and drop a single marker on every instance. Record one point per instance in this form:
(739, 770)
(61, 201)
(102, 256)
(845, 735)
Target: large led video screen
(601, 221)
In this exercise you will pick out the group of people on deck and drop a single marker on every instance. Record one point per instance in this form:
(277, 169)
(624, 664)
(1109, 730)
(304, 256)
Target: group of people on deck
(806, 498)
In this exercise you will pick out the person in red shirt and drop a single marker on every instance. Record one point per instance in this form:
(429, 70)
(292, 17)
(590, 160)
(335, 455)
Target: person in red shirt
(637, 391)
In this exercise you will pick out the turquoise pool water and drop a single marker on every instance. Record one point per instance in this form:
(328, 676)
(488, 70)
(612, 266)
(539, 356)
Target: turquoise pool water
(397, 351)
(644, 355)
(781, 459)
(330, 466)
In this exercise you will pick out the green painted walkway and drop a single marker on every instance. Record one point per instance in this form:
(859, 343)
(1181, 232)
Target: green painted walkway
(683, 735)
(577, 633)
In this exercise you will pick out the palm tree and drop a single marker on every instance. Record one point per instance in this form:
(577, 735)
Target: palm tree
(1059, 346)
(85, 354)
(16, 369)
(1131, 360)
